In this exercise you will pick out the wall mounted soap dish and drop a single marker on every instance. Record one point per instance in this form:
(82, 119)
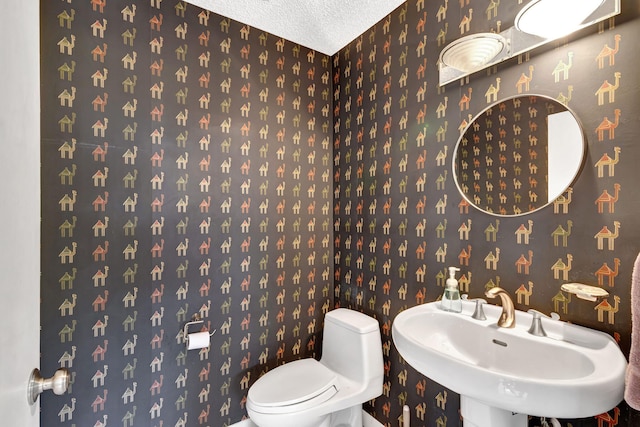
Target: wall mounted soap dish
(585, 292)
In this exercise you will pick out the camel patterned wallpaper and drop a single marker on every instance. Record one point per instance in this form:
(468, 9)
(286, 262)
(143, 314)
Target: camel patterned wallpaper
(400, 220)
(186, 169)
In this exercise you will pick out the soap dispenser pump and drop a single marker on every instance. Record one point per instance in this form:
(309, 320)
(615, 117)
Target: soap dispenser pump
(451, 298)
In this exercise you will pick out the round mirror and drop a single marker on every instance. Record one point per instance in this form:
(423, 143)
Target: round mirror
(518, 155)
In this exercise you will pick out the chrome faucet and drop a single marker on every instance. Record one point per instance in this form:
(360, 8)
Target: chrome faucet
(536, 322)
(478, 314)
(508, 317)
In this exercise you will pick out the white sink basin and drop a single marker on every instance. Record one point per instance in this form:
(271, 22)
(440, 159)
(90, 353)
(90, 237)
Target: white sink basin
(574, 372)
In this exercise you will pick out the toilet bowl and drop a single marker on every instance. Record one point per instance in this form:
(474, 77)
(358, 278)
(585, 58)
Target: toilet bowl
(329, 392)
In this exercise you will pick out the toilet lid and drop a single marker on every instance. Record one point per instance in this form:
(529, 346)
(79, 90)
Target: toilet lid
(294, 383)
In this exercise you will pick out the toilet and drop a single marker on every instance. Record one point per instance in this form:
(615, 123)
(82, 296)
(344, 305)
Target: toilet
(329, 392)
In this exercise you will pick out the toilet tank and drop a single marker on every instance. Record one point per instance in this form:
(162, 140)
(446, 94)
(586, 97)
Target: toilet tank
(352, 347)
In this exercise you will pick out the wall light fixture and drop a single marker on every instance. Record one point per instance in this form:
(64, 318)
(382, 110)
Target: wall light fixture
(537, 23)
(552, 19)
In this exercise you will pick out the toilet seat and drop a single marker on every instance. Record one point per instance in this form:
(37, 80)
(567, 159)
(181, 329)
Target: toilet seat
(297, 386)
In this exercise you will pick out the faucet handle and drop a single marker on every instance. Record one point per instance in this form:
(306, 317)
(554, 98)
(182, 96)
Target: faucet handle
(478, 314)
(536, 322)
(466, 298)
(537, 314)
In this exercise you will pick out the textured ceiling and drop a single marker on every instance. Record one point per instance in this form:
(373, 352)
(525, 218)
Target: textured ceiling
(322, 25)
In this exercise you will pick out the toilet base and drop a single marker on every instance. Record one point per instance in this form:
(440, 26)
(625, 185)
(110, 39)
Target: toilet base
(350, 417)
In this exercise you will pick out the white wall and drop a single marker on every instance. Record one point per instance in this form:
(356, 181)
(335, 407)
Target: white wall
(20, 210)
(565, 141)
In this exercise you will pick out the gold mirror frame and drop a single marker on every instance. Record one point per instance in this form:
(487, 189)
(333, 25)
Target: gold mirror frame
(518, 155)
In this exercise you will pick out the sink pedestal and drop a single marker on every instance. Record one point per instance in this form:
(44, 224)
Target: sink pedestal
(478, 414)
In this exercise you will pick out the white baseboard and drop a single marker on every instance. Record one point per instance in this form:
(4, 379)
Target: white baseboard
(367, 421)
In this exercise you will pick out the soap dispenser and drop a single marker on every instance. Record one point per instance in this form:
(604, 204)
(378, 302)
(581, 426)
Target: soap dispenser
(451, 298)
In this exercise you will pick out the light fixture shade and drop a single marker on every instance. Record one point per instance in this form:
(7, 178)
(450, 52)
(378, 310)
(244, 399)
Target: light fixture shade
(473, 52)
(551, 19)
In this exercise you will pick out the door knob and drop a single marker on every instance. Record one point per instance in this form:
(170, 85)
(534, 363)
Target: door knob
(58, 383)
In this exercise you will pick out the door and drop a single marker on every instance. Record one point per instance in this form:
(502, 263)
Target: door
(20, 210)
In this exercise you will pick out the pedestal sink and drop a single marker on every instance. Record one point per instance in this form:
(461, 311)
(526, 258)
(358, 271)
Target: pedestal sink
(505, 374)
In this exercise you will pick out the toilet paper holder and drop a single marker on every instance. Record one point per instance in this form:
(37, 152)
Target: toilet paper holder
(196, 319)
